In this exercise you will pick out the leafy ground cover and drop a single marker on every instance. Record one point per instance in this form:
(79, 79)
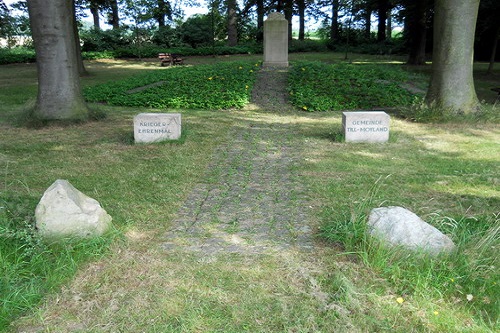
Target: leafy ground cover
(446, 172)
(316, 86)
(218, 86)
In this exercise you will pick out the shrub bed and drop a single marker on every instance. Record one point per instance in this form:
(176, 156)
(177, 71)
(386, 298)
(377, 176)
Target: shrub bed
(16, 55)
(315, 86)
(219, 86)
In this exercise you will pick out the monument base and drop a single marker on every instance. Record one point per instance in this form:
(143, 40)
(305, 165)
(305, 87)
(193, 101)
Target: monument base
(275, 64)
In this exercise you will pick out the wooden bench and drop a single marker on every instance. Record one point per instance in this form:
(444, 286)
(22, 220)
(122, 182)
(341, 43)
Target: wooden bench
(170, 59)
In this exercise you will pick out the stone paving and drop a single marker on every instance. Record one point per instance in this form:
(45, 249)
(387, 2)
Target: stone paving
(251, 200)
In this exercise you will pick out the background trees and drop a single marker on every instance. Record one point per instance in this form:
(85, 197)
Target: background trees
(368, 23)
(142, 28)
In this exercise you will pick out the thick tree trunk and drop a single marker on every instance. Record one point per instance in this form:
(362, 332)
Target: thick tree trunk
(115, 18)
(232, 31)
(452, 86)
(76, 35)
(59, 93)
(417, 31)
(334, 28)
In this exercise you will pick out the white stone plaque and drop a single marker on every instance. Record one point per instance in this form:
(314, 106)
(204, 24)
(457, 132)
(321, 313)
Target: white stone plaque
(366, 126)
(156, 127)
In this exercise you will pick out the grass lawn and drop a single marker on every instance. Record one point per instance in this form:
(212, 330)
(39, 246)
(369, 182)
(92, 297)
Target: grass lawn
(448, 173)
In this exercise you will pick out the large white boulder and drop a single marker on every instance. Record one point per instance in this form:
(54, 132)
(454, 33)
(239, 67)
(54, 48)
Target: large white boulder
(397, 226)
(64, 212)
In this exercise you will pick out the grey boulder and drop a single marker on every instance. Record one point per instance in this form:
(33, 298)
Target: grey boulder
(65, 212)
(397, 226)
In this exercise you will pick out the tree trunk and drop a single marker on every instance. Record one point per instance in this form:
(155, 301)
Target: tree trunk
(94, 10)
(161, 13)
(289, 16)
(301, 4)
(389, 25)
(452, 86)
(416, 19)
(232, 31)
(115, 18)
(76, 35)
(382, 8)
(260, 20)
(59, 94)
(279, 5)
(334, 28)
(368, 23)
(493, 51)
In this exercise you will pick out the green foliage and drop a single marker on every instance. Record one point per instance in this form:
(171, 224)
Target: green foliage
(105, 40)
(307, 45)
(198, 31)
(219, 86)
(166, 37)
(316, 86)
(387, 47)
(26, 55)
(94, 55)
(16, 55)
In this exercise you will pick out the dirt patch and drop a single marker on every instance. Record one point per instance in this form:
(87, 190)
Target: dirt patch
(139, 89)
(269, 92)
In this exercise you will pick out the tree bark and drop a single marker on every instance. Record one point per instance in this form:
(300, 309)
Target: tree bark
(161, 13)
(416, 19)
(301, 4)
(334, 28)
(115, 18)
(368, 22)
(382, 9)
(76, 35)
(232, 31)
(452, 86)
(94, 10)
(389, 25)
(288, 11)
(494, 51)
(59, 94)
(260, 20)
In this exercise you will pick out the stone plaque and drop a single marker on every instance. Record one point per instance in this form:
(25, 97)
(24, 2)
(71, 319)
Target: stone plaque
(366, 126)
(276, 41)
(156, 127)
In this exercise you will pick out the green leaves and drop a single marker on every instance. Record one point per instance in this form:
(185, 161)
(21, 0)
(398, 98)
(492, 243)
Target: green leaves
(219, 86)
(316, 86)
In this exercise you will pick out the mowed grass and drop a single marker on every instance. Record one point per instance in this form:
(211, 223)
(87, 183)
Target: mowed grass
(447, 173)
(139, 186)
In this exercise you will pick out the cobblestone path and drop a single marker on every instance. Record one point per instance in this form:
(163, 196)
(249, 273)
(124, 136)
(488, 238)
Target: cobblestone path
(251, 200)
